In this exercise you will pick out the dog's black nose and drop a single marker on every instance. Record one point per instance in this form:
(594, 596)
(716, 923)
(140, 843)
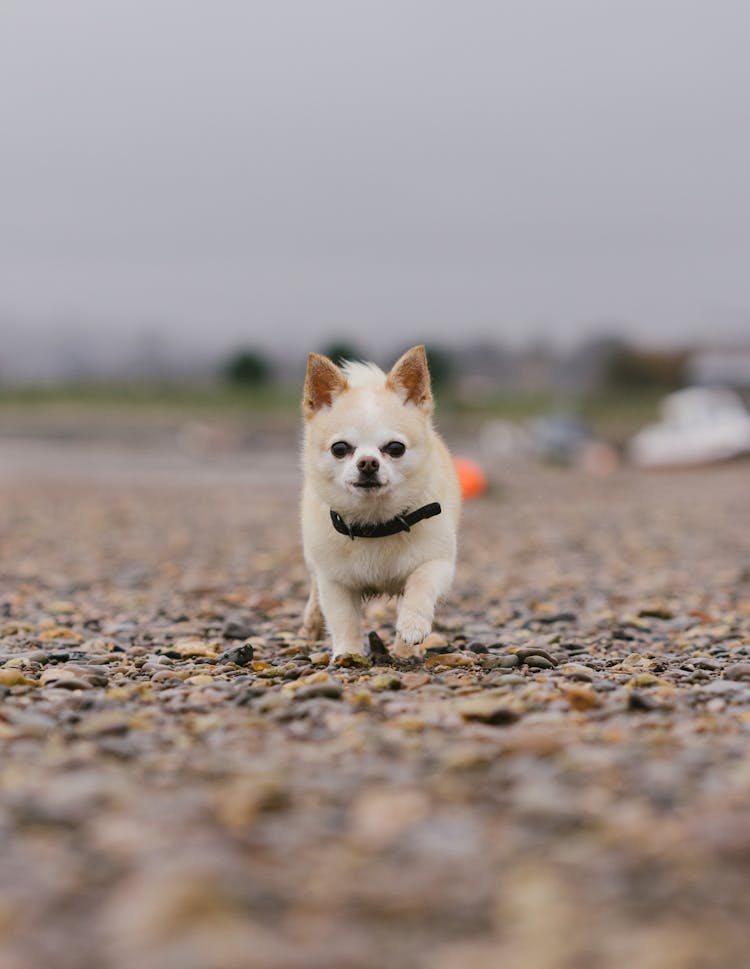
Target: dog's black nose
(368, 465)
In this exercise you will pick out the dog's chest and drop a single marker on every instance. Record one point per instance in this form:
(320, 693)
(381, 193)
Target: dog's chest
(376, 565)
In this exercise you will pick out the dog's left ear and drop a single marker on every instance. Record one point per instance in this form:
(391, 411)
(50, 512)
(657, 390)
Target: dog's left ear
(410, 379)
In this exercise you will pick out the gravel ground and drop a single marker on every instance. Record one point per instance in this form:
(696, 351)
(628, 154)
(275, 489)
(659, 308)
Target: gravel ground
(563, 784)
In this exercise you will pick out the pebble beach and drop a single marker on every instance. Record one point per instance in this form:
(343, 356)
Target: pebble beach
(562, 783)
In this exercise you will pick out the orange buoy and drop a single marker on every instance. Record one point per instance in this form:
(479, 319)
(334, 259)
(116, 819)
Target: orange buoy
(471, 477)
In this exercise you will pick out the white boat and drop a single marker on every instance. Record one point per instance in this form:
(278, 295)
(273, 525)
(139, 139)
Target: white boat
(699, 425)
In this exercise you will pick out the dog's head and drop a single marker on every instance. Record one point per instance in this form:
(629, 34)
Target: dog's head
(369, 434)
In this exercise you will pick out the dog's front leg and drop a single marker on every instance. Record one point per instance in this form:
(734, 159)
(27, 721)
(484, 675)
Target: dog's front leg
(423, 589)
(342, 609)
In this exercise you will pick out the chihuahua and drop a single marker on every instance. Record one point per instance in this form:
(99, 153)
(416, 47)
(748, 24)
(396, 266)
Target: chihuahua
(381, 500)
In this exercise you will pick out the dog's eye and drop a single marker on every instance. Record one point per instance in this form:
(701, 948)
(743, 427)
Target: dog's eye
(340, 449)
(394, 449)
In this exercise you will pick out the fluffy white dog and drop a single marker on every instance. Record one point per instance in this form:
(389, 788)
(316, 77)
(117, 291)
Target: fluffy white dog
(381, 499)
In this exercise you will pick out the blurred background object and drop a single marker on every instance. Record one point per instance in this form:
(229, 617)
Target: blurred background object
(699, 425)
(471, 477)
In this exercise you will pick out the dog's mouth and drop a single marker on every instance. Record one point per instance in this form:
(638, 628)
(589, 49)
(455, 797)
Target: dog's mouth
(368, 485)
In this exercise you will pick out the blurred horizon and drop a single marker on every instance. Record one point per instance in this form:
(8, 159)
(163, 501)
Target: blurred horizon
(77, 356)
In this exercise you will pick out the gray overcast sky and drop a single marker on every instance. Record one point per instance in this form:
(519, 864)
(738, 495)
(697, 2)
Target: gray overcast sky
(282, 169)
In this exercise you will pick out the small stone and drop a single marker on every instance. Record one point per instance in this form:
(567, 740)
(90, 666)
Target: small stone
(239, 655)
(509, 662)
(451, 660)
(576, 671)
(330, 689)
(554, 617)
(105, 722)
(536, 662)
(380, 815)
(641, 701)
(352, 661)
(582, 697)
(243, 798)
(655, 612)
(644, 680)
(706, 663)
(378, 649)
(435, 641)
(246, 696)
(189, 648)
(535, 652)
(477, 648)
(69, 683)
(738, 671)
(11, 677)
(386, 681)
(30, 723)
(722, 687)
(60, 632)
(506, 678)
(488, 709)
(237, 629)
(412, 681)
(116, 746)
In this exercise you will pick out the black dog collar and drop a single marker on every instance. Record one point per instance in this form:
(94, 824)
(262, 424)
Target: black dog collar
(401, 523)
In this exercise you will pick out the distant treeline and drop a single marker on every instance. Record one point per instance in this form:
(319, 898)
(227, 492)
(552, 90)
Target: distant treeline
(602, 364)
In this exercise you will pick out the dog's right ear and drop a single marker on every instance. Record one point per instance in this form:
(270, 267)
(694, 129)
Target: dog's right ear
(410, 379)
(324, 381)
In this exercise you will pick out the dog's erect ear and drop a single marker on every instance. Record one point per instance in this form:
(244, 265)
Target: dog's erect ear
(410, 379)
(323, 383)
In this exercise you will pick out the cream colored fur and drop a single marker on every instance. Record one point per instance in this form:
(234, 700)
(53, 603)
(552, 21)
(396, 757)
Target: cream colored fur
(360, 405)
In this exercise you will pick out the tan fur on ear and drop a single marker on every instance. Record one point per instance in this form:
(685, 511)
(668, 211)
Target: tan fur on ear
(323, 383)
(410, 378)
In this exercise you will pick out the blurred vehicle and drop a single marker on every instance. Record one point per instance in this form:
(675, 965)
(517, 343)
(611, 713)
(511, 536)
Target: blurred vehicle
(699, 425)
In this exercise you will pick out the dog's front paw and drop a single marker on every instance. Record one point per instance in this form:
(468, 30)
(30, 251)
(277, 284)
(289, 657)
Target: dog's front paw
(412, 626)
(339, 651)
(411, 629)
